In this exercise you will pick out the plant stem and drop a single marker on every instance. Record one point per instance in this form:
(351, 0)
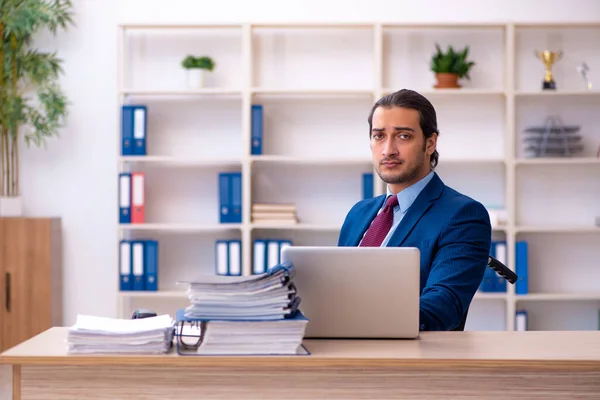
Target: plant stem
(15, 80)
(3, 129)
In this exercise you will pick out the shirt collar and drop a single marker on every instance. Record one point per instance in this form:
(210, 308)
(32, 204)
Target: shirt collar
(407, 196)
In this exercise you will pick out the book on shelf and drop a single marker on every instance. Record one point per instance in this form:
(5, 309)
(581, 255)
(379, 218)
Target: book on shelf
(274, 213)
(242, 315)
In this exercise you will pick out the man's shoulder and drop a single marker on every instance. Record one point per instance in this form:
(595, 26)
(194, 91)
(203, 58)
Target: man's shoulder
(457, 201)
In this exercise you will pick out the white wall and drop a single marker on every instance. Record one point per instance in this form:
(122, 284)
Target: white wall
(74, 178)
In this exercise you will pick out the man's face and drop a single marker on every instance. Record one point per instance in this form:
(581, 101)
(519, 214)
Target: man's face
(400, 151)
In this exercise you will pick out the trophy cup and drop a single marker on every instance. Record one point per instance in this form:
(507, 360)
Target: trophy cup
(549, 58)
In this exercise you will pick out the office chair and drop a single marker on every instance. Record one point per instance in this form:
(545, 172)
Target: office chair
(504, 272)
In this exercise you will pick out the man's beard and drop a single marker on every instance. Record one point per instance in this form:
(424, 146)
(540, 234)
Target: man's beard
(408, 175)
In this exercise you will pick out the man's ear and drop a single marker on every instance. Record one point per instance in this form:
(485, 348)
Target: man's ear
(431, 143)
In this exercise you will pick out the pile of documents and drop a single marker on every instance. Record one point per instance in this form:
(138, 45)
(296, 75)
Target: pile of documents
(274, 213)
(255, 314)
(89, 335)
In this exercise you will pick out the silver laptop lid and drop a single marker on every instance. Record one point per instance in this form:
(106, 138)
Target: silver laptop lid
(358, 292)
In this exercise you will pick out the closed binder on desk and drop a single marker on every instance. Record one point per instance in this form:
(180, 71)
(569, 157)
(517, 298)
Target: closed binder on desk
(282, 337)
(243, 315)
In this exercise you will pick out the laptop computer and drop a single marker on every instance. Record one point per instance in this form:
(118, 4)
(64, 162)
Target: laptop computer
(358, 292)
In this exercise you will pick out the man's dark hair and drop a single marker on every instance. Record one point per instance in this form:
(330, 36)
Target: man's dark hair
(410, 99)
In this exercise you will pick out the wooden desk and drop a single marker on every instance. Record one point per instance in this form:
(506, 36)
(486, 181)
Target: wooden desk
(439, 365)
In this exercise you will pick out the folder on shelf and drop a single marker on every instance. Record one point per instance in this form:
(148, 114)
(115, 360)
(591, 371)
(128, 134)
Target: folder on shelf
(133, 129)
(235, 257)
(151, 265)
(137, 265)
(230, 197)
(236, 196)
(137, 197)
(125, 198)
(224, 198)
(492, 281)
(522, 266)
(521, 320)
(125, 266)
(221, 257)
(257, 129)
(367, 185)
(259, 257)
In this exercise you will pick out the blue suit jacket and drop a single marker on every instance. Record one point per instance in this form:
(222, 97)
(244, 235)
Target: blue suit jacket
(453, 233)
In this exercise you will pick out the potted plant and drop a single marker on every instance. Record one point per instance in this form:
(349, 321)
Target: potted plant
(196, 68)
(32, 105)
(450, 66)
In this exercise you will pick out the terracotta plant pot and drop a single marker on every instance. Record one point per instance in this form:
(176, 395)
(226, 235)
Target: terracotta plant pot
(446, 80)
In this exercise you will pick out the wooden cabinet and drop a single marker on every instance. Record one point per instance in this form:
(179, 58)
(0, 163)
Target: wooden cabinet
(30, 278)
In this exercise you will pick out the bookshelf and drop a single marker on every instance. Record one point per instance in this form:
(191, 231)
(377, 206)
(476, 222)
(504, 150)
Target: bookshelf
(317, 83)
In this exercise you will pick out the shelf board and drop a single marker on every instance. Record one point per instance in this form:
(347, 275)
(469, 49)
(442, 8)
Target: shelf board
(181, 92)
(554, 93)
(312, 92)
(558, 229)
(558, 161)
(297, 227)
(454, 92)
(215, 162)
(558, 296)
(174, 227)
(490, 295)
(459, 161)
(278, 159)
(150, 294)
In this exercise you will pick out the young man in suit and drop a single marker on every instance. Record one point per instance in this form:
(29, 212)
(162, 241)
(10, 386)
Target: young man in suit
(451, 230)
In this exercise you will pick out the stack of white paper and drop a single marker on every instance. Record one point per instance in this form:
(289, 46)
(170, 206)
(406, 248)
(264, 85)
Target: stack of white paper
(269, 296)
(91, 334)
(283, 336)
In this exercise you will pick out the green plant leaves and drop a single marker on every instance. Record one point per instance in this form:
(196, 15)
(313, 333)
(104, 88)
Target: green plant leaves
(451, 61)
(203, 62)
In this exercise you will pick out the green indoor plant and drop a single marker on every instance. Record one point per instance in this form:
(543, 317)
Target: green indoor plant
(32, 105)
(196, 68)
(450, 66)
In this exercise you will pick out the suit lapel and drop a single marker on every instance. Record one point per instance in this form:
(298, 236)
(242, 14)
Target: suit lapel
(367, 215)
(424, 200)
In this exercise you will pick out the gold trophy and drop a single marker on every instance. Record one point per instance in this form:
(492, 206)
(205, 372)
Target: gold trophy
(549, 58)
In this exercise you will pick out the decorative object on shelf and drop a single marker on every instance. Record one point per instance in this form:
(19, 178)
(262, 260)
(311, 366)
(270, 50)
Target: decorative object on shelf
(196, 68)
(450, 66)
(32, 104)
(549, 57)
(553, 139)
(583, 70)
(274, 213)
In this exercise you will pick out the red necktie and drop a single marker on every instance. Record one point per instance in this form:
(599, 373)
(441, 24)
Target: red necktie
(381, 224)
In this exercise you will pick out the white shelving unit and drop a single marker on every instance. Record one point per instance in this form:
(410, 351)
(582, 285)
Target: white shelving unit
(317, 84)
